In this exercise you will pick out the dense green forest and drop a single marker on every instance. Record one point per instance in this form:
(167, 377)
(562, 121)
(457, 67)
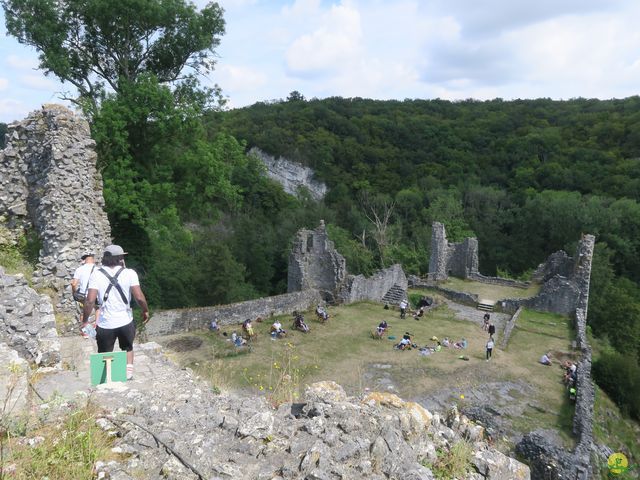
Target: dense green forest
(204, 225)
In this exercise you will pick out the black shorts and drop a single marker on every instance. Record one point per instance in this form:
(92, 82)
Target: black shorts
(106, 337)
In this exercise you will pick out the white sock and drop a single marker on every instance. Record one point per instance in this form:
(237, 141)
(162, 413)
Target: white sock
(129, 371)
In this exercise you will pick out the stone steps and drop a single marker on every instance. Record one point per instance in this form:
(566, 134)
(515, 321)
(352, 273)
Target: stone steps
(394, 295)
(486, 305)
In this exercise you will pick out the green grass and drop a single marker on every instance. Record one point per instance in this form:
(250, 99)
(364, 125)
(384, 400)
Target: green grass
(486, 291)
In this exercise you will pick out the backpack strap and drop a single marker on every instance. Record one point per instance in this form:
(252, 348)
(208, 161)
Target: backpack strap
(86, 288)
(113, 282)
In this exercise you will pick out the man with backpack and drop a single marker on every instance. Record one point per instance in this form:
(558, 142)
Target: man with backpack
(114, 285)
(80, 281)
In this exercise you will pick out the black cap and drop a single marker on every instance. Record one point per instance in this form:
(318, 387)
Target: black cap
(87, 255)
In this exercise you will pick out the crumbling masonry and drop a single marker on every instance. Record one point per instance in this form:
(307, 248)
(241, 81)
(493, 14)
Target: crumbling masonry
(50, 185)
(314, 263)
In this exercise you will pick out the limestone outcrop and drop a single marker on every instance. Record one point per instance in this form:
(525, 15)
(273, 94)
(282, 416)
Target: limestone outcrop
(291, 175)
(50, 185)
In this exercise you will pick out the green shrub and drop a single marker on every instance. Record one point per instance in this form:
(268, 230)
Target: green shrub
(619, 376)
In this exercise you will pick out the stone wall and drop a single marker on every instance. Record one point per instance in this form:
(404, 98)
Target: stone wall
(315, 264)
(27, 323)
(359, 288)
(545, 456)
(455, 259)
(291, 175)
(509, 328)
(166, 322)
(505, 282)
(50, 185)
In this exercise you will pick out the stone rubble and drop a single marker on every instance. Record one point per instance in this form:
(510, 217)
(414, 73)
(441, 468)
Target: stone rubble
(173, 426)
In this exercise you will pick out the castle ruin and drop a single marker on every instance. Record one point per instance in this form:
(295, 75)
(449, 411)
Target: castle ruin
(50, 185)
(314, 263)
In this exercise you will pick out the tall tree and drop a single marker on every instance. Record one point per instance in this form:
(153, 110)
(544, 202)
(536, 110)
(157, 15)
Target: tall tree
(97, 44)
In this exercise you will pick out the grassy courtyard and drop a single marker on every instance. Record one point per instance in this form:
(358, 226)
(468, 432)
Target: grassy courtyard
(343, 350)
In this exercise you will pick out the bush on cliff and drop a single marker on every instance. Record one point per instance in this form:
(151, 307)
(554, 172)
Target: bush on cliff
(619, 376)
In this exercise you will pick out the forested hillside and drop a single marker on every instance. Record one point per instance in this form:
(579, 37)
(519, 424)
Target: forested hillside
(526, 177)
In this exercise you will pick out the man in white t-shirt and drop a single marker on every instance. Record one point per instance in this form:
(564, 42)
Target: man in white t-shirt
(115, 285)
(80, 281)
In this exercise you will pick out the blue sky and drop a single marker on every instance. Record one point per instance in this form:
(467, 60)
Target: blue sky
(397, 49)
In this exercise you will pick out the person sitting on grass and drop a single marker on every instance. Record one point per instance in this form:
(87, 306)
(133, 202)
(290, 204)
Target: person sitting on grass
(277, 330)
(446, 342)
(213, 326)
(298, 323)
(419, 314)
(545, 359)
(382, 328)
(461, 344)
(237, 340)
(248, 328)
(405, 343)
(322, 314)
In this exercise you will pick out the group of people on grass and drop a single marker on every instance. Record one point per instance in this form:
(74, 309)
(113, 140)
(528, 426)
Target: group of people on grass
(276, 330)
(569, 376)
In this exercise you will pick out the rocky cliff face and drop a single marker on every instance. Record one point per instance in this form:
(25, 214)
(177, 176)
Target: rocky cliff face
(50, 185)
(171, 425)
(291, 175)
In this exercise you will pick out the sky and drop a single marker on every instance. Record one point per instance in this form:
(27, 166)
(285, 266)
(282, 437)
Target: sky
(396, 49)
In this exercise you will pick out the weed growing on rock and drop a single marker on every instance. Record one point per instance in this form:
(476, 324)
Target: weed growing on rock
(452, 463)
(63, 451)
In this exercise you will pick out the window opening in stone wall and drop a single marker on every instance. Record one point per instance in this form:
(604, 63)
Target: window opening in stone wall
(309, 243)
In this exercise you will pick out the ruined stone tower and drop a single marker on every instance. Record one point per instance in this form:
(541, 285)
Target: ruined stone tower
(314, 263)
(455, 259)
(50, 185)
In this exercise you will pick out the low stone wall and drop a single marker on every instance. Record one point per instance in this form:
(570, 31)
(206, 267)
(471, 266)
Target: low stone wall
(166, 322)
(509, 328)
(373, 288)
(505, 282)
(460, 297)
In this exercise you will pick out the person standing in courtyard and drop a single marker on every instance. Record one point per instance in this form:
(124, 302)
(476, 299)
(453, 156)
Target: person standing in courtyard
(403, 308)
(115, 284)
(490, 345)
(492, 329)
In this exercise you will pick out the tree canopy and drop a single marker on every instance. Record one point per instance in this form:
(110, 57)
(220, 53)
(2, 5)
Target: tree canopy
(97, 44)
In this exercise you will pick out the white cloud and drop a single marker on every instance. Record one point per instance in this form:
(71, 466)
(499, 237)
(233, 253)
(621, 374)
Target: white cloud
(239, 77)
(39, 82)
(22, 63)
(4, 83)
(12, 110)
(591, 56)
(332, 46)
